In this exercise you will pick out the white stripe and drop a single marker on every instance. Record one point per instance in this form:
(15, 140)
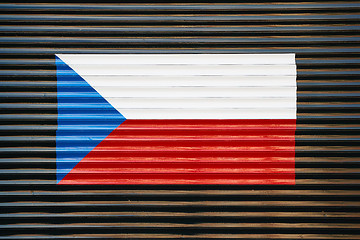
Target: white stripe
(255, 113)
(185, 70)
(204, 103)
(192, 81)
(140, 59)
(193, 86)
(191, 92)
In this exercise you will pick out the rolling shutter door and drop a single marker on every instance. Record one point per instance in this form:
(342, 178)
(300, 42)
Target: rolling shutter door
(324, 203)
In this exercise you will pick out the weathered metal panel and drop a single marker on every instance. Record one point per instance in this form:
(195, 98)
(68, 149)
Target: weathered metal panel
(323, 204)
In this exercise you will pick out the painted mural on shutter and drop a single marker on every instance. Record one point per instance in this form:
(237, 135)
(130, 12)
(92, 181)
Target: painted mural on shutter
(323, 202)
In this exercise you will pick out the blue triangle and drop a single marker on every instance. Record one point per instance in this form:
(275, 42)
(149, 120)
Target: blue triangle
(85, 118)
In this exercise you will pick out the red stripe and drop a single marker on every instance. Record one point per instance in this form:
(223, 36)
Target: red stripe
(119, 144)
(198, 123)
(192, 152)
(195, 165)
(192, 159)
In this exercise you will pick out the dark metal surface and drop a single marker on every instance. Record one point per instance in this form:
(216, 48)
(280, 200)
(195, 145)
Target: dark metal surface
(324, 204)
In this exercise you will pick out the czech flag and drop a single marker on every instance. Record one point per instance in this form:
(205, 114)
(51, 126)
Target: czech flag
(176, 118)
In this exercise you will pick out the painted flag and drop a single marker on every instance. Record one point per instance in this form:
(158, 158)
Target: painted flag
(176, 118)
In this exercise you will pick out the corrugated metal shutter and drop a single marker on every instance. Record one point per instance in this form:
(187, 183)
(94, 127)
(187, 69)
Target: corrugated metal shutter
(324, 203)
